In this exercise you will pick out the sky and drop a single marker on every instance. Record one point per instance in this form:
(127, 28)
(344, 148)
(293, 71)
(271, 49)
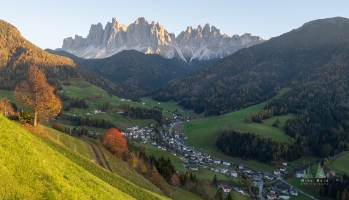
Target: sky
(47, 22)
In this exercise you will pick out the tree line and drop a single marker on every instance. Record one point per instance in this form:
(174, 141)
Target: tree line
(248, 145)
(337, 188)
(141, 113)
(77, 103)
(82, 121)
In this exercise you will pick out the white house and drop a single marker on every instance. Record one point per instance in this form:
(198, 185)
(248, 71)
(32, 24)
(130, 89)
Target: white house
(225, 163)
(241, 167)
(300, 174)
(223, 171)
(226, 188)
(277, 172)
(283, 168)
(294, 192)
(194, 167)
(234, 173)
(284, 163)
(217, 161)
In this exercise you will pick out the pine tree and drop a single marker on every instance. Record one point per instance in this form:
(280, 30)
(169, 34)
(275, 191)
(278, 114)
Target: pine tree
(219, 195)
(229, 197)
(214, 181)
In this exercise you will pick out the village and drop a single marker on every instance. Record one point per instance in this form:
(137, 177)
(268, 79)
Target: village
(270, 186)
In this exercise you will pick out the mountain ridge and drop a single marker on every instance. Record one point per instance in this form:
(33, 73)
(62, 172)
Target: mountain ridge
(152, 38)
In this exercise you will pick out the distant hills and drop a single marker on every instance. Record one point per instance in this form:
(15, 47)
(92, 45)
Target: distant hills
(137, 73)
(17, 54)
(152, 38)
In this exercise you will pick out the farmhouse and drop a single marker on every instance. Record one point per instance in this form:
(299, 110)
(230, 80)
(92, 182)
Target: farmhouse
(194, 167)
(233, 173)
(277, 172)
(300, 174)
(294, 192)
(226, 188)
(217, 161)
(283, 168)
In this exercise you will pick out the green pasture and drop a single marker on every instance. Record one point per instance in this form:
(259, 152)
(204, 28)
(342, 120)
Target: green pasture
(202, 132)
(151, 150)
(7, 94)
(340, 164)
(170, 105)
(72, 143)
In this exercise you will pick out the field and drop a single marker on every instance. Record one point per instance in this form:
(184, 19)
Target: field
(7, 94)
(36, 167)
(296, 182)
(150, 150)
(71, 143)
(340, 164)
(170, 105)
(202, 132)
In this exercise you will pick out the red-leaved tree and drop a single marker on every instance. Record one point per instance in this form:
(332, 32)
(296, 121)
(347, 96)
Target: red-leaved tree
(115, 142)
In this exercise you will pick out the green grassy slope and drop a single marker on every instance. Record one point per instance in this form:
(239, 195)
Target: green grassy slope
(82, 89)
(72, 143)
(202, 132)
(37, 167)
(32, 170)
(122, 169)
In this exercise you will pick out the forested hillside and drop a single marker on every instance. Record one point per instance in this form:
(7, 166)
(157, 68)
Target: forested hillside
(315, 53)
(313, 60)
(17, 54)
(136, 72)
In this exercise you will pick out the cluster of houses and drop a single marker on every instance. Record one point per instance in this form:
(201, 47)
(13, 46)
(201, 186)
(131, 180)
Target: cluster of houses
(227, 188)
(122, 99)
(281, 170)
(94, 112)
(143, 134)
(281, 189)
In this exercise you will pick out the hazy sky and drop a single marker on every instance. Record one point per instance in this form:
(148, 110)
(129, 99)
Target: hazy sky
(46, 22)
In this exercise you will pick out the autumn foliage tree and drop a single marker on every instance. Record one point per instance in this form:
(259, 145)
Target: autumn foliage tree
(37, 94)
(115, 142)
(6, 107)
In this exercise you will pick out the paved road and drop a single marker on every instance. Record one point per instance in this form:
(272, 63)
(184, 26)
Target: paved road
(177, 141)
(261, 190)
(97, 154)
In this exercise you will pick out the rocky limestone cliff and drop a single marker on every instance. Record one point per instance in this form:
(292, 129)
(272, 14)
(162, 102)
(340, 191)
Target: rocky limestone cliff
(201, 43)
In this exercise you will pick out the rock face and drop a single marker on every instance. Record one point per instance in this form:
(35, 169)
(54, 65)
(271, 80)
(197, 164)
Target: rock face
(201, 43)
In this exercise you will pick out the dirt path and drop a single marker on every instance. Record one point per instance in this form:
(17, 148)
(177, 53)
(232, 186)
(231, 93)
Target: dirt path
(97, 154)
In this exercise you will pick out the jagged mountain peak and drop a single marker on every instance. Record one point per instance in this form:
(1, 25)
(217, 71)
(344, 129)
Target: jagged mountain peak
(141, 20)
(201, 43)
